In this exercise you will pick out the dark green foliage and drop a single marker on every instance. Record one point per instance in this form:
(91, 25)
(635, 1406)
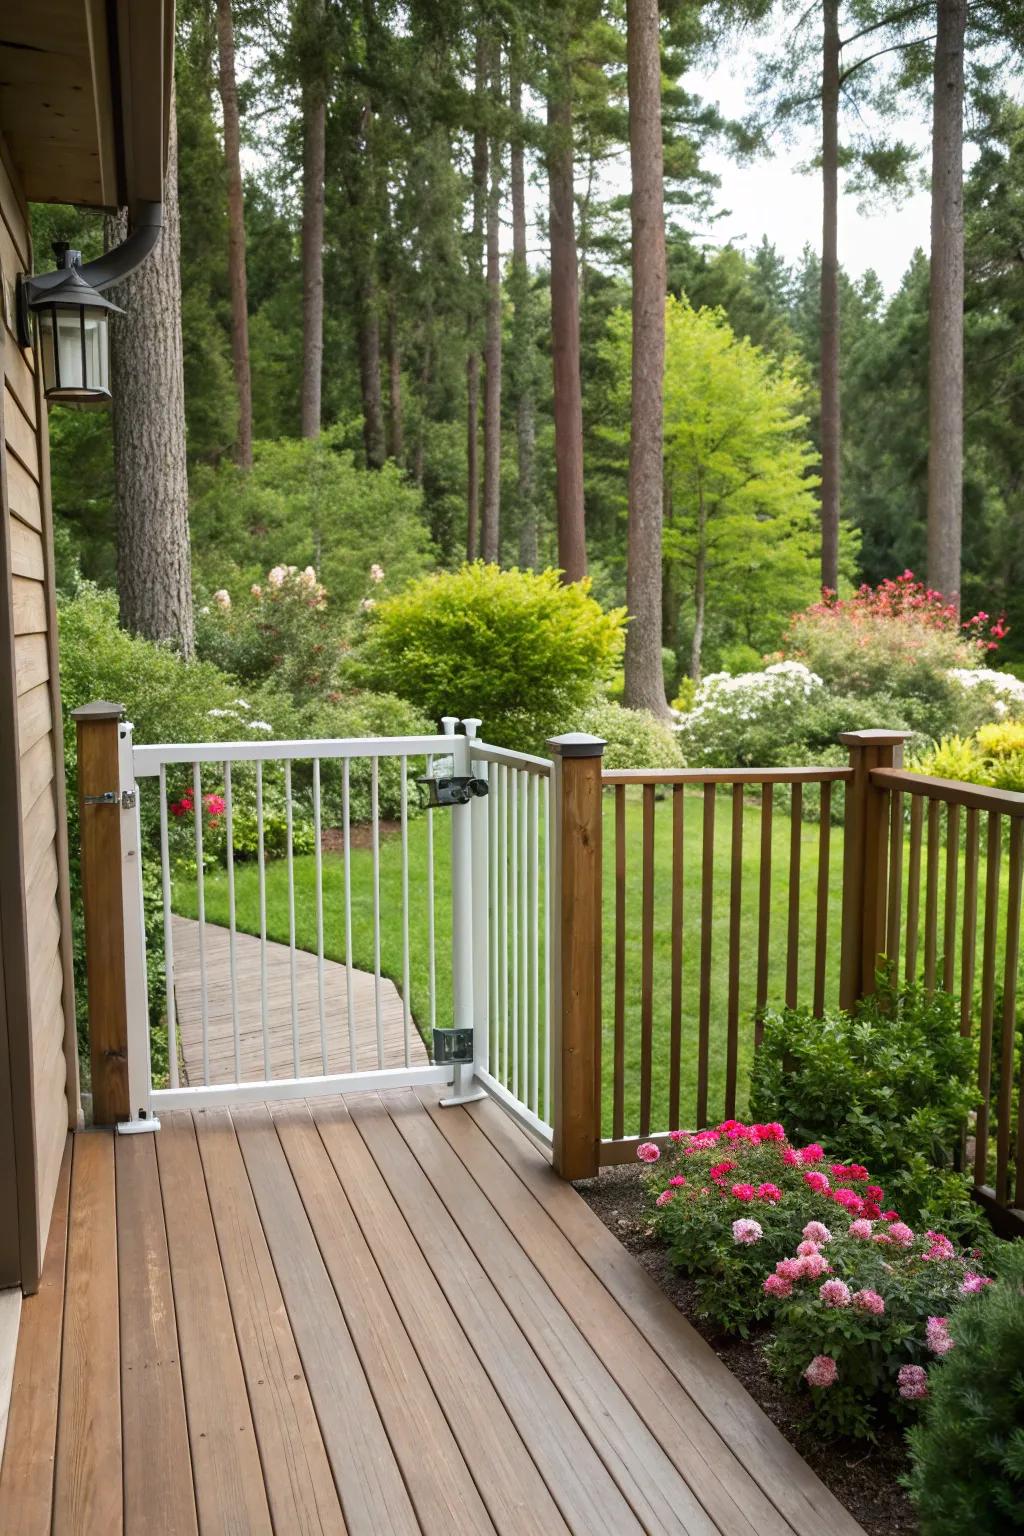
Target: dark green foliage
(967, 1453)
(890, 1085)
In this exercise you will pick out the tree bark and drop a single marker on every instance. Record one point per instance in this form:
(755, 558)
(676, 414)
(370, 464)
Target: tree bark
(479, 183)
(395, 418)
(831, 425)
(565, 321)
(946, 306)
(699, 590)
(526, 431)
(374, 435)
(491, 525)
(645, 685)
(236, 232)
(154, 568)
(314, 124)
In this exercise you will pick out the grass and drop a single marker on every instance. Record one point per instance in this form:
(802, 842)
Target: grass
(391, 934)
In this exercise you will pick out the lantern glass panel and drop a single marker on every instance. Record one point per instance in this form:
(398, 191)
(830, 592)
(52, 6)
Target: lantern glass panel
(69, 348)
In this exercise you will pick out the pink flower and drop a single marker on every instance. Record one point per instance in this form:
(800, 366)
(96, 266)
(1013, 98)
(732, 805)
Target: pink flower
(940, 1247)
(835, 1293)
(790, 1157)
(222, 598)
(913, 1380)
(701, 1140)
(822, 1371)
(256, 590)
(807, 1246)
(871, 1209)
(743, 1191)
(973, 1283)
(817, 1232)
(376, 572)
(869, 1301)
(216, 805)
(812, 1154)
(777, 1285)
(770, 1192)
(873, 1192)
(747, 1231)
(647, 1152)
(773, 1131)
(900, 1233)
(665, 1196)
(890, 1215)
(813, 1266)
(859, 1228)
(721, 1169)
(789, 1269)
(818, 1182)
(882, 1237)
(937, 1335)
(855, 1171)
(678, 1135)
(676, 1181)
(848, 1200)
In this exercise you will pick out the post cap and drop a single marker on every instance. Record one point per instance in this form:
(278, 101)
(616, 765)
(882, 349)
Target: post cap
(874, 738)
(576, 744)
(99, 709)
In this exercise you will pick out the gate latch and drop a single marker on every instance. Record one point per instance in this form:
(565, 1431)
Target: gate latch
(126, 799)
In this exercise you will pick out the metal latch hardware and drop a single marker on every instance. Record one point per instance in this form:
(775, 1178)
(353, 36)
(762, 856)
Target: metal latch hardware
(126, 799)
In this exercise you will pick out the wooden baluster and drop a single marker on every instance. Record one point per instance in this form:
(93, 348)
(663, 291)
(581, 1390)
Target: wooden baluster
(993, 853)
(707, 893)
(647, 960)
(619, 1048)
(1009, 1014)
(969, 942)
(950, 899)
(914, 887)
(821, 924)
(931, 900)
(764, 910)
(865, 860)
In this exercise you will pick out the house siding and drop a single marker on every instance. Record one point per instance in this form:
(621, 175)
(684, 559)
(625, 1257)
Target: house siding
(37, 1012)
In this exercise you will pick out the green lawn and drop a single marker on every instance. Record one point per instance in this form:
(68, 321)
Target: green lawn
(391, 933)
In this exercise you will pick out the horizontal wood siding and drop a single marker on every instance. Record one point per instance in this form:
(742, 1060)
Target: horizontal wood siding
(34, 915)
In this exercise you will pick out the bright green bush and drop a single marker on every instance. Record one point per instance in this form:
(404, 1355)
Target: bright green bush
(634, 738)
(993, 756)
(890, 1085)
(515, 648)
(967, 1453)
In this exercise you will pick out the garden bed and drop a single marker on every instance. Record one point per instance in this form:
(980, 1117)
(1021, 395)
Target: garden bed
(863, 1479)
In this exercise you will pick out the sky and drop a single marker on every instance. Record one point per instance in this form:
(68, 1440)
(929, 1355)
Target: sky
(773, 197)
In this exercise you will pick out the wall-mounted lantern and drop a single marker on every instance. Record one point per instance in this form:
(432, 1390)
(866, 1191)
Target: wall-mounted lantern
(72, 315)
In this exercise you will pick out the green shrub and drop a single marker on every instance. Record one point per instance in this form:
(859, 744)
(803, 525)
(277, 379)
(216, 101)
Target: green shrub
(634, 738)
(890, 1085)
(516, 648)
(364, 714)
(967, 1453)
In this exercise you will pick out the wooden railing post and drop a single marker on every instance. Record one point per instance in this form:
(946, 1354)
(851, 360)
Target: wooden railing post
(576, 954)
(103, 904)
(865, 861)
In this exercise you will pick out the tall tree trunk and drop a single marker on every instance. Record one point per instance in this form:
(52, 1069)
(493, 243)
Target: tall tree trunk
(154, 568)
(831, 426)
(491, 527)
(314, 124)
(946, 306)
(565, 320)
(479, 183)
(645, 685)
(426, 374)
(395, 419)
(236, 232)
(522, 330)
(700, 588)
(374, 436)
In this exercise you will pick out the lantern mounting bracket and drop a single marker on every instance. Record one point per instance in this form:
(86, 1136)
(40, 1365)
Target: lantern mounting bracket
(147, 221)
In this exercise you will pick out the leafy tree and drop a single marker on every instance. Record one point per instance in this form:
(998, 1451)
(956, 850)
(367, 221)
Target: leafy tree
(741, 524)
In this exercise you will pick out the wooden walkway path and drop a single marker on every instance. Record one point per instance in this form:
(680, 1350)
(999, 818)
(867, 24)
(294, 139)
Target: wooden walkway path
(188, 1003)
(368, 1315)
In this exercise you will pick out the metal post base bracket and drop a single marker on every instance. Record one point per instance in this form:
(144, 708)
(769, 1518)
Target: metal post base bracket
(464, 1089)
(137, 1127)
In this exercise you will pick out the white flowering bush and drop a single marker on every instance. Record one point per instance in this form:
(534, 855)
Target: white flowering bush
(739, 721)
(1000, 692)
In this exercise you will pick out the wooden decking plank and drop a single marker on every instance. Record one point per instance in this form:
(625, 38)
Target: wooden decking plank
(26, 1479)
(230, 1495)
(373, 1495)
(714, 1472)
(300, 1488)
(442, 1490)
(658, 1495)
(516, 1496)
(574, 1472)
(782, 1472)
(157, 1461)
(87, 1480)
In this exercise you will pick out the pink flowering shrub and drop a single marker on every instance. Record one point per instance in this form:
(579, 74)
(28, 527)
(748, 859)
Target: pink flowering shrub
(879, 1314)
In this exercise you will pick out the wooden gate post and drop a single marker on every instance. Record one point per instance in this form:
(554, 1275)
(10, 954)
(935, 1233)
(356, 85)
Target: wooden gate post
(103, 903)
(576, 954)
(865, 861)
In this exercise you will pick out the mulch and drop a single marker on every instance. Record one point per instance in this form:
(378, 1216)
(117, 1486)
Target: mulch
(863, 1477)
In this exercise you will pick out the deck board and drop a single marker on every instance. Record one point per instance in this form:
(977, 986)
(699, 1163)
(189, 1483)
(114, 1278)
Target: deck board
(368, 1315)
(220, 1011)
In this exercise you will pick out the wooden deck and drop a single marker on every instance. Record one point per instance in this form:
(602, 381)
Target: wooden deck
(368, 1315)
(220, 1019)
